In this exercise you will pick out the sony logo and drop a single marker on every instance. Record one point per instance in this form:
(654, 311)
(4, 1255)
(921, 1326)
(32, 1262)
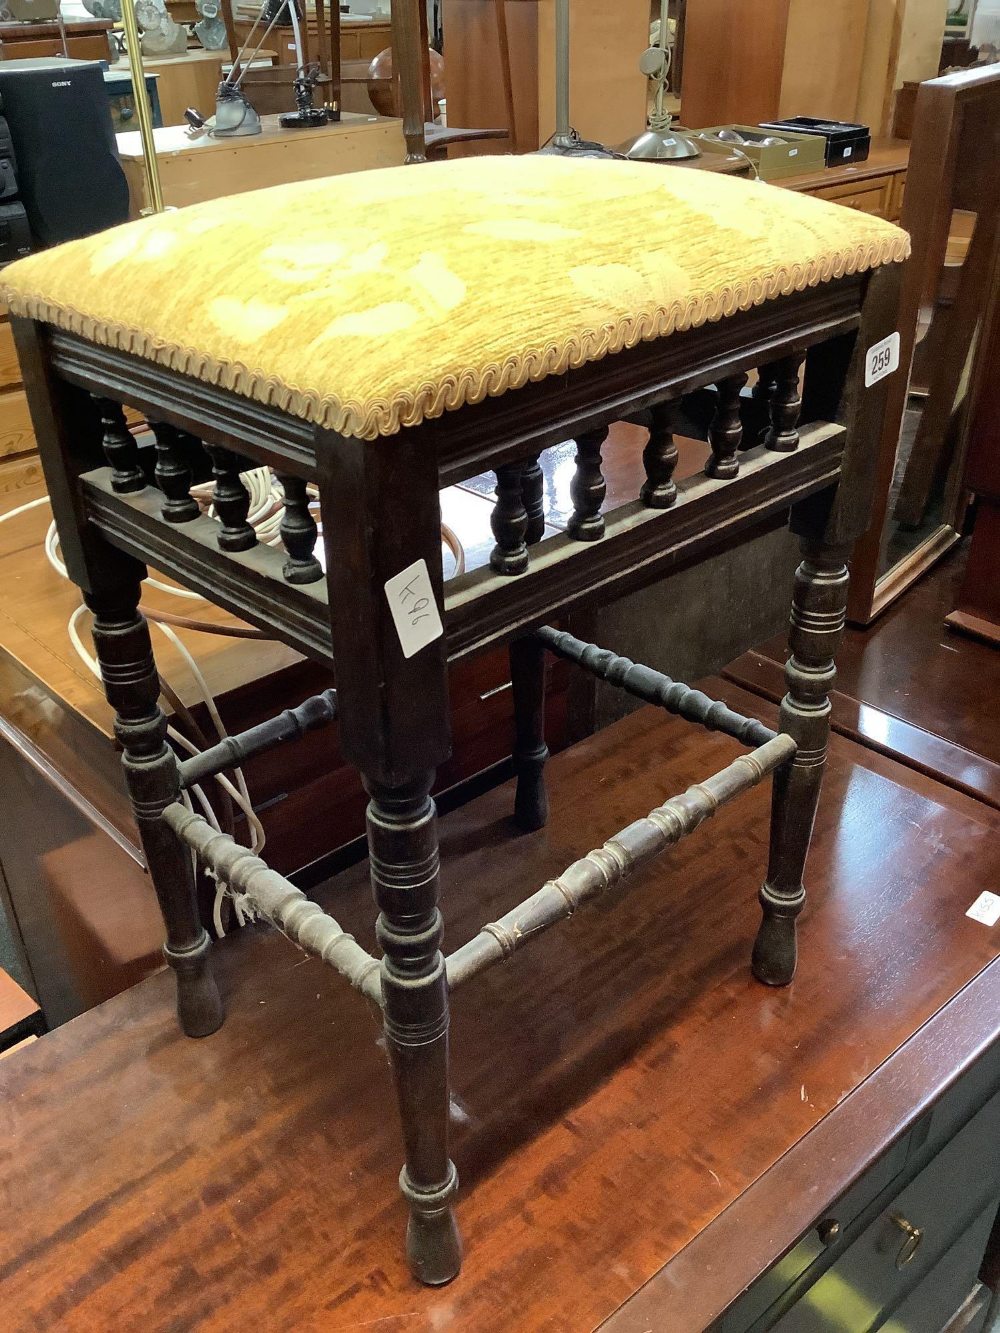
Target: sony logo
(62, 83)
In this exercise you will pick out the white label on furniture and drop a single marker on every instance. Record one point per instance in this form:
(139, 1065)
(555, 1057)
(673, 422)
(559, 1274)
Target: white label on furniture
(414, 610)
(986, 909)
(882, 360)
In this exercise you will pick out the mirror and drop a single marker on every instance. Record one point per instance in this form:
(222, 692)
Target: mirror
(950, 209)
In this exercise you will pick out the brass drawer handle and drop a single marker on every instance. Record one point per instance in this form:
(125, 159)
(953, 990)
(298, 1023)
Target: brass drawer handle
(914, 1235)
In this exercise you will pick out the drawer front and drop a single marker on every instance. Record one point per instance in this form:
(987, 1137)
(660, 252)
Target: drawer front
(796, 1263)
(866, 197)
(948, 1286)
(884, 1265)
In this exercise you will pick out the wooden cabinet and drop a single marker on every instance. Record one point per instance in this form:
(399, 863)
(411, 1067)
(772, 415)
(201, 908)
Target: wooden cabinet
(752, 60)
(873, 186)
(193, 170)
(607, 90)
(907, 1240)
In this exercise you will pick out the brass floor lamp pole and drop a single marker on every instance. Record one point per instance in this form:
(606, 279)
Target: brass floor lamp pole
(150, 166)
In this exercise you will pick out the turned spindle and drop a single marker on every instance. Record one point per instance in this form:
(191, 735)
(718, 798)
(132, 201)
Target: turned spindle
(298, 533)
(659, 458)
(725, 434)
(231, 500)
(173, 475)
(509, 522)
(783, 435)
(120, 448)
(587, 488)
(532, 484)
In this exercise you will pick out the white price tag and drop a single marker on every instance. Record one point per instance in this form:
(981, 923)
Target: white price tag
(986, 909)
(414, 610)
(882, 360)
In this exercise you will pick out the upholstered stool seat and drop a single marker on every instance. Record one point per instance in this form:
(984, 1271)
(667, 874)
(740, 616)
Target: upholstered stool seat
(370, 301)
(378, 337)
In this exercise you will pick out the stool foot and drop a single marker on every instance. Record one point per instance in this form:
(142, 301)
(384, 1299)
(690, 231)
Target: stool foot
(199, 1007)
(433, 1245)
(775, 950)
(527, 674)
(531, 799)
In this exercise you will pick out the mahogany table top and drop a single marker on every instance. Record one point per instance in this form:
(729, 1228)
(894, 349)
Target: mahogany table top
(627, 1093)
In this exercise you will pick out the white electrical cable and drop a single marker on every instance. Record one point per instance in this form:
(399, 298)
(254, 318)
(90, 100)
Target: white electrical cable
(239, 794)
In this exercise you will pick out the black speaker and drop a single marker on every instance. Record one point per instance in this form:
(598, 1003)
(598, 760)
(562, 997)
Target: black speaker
(68, 173)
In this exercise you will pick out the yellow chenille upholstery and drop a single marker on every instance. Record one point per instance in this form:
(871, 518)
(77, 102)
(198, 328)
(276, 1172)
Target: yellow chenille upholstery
(375, 300)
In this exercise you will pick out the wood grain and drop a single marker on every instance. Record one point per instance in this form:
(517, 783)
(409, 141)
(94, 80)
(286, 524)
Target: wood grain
(823, 57)
(733, 61)
(249, 1177)
(17, 435)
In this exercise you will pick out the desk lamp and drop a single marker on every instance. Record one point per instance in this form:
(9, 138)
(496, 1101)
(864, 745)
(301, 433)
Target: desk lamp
(658, 143)
(566, 141)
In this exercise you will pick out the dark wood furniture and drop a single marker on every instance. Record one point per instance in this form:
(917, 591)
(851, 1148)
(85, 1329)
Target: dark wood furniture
(86, 39)
(977, 610)
(411, 77)
(377, 615)
(954, 165)
(645, 1132)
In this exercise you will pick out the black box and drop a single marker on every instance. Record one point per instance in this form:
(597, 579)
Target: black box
(15, 235)
(844, 142)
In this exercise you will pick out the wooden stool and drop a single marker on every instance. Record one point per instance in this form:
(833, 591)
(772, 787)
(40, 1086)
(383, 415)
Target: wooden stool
(486, 310)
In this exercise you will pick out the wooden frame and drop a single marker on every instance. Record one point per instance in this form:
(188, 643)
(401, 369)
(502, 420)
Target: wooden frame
(954, 161)
(382, 524)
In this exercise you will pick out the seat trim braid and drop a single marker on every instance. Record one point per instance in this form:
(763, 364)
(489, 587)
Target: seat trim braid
(431, 399)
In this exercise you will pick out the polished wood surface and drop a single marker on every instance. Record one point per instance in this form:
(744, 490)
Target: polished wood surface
(243, 1178)
(909, 687)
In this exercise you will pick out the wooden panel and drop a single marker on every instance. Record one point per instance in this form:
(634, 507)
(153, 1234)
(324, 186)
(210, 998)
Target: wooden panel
(192, 171)
(10, 370)
(595, 1079)
(17, 475)
(896, 192)
(16, 433)
(823, 55)
(472, 68)
(733, 60)
(920, 39)
(607, 90)
(878, 67)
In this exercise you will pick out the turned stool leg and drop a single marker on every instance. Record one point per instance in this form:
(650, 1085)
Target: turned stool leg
(527, 674)
(121, 638)
(817, 622)
(402, 840)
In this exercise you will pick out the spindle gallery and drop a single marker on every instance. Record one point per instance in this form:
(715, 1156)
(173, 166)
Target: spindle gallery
(379, 432)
